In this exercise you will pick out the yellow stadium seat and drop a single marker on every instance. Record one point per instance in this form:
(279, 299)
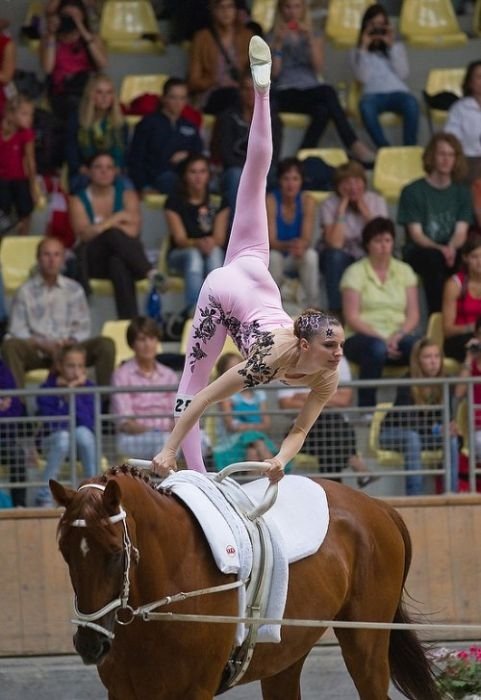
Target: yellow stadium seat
(34, 9)
(229, 345)
(443, 80)
(130, 26)
(395, 167)
(353, 97)
(392, 458)
(104, 288)
(154, 200)
(332, 156)
(294, 120)
(135, 85)
(435, 331)
(117, 330)
(343, 21)
(430, 24)
(18, 255)
(319, 196)
(263, 12)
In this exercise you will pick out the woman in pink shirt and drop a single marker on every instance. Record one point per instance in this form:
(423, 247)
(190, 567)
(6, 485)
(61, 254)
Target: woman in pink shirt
(144, 419)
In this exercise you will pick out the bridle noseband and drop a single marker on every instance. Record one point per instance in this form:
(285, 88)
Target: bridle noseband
(87, 619)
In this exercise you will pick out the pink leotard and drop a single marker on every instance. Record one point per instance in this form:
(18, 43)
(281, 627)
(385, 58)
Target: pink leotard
(241, 298)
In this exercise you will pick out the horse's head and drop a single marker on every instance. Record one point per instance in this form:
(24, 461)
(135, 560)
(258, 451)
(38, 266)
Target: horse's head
(95, 542)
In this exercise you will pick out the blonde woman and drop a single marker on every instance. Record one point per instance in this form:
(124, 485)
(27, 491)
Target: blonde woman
(98, 125)
(297, 60)
(420, 428)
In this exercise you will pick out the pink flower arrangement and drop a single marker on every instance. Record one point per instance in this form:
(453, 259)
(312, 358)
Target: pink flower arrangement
(458, 672)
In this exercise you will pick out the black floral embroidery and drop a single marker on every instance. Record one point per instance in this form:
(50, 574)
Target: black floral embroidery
(244, 335)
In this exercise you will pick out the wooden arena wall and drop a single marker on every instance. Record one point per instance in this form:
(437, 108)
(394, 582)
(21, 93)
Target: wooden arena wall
(36, 607)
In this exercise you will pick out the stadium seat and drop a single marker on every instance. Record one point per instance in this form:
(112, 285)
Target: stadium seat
(18, 255)
(353, 97)
(117, 331)
(104, 288)
(477, 18)
(395, 167)
(343, 21)
(392, 458)
(263, 12)
(443, 80)
(294, 120)
(35, 13)
(435, 331)
(136, 85)
(430, 24)
(130, 26)
(332, 156)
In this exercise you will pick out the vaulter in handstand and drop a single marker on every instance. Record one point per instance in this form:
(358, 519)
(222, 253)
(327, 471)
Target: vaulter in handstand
(241, 299)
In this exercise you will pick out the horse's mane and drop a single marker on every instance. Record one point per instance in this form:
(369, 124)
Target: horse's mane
(88, 506)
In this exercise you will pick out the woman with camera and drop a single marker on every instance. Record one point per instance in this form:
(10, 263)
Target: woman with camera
(462, 302)
(297, 60)
(69, 53)
(380, 64)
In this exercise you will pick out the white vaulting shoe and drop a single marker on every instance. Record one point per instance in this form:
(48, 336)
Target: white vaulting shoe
(260, 60)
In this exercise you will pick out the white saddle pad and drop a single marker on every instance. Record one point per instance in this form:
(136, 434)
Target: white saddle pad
(297, 523)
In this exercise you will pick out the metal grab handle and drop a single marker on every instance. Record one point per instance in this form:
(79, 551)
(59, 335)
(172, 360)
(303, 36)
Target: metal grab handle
(270, 495)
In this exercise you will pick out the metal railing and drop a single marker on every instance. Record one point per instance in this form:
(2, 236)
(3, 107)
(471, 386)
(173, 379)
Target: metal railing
(28, 428)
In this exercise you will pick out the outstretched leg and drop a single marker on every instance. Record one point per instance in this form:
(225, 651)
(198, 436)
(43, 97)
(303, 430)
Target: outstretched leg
(249, 236)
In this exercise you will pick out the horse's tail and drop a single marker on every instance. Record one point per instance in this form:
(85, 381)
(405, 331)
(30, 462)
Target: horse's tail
(411, 671)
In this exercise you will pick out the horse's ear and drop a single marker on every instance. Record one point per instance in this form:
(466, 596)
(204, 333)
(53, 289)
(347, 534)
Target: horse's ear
(111, 497)
(62, 495)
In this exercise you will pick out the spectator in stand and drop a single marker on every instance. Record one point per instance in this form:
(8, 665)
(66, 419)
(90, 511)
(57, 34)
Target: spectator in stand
(69, 53)
(18, 171)
(418, 429)
(144, 419)
(197, 228)
(290, 217)
(332, 438)
(343, 216)
(93, 9)
(106, 219)
(7, 67)
(48, 312)
(472, 368)
(462, 300)
(218, 58)
(436, 211)
(69, 372)
(241, 430)
(297, 60)
(229, 140)
(12, 454)
(98, 126)
(380, 64)
(162, 142)
(464, 120)
(380, 307)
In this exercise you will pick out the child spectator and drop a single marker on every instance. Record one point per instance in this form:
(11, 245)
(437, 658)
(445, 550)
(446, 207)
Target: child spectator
(240, 432)
(70, 371)
(144, 418)
(343, 216)
(290, 216)
(17, 161)
(12, 454)
(420, 428)
(97, 126)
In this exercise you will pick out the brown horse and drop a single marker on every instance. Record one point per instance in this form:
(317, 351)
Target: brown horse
(123, 539)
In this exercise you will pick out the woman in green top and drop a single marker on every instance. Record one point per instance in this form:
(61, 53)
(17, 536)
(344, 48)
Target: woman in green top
(380, 306)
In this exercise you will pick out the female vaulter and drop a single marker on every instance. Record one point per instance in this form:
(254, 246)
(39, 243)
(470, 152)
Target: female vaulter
(241, 299)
